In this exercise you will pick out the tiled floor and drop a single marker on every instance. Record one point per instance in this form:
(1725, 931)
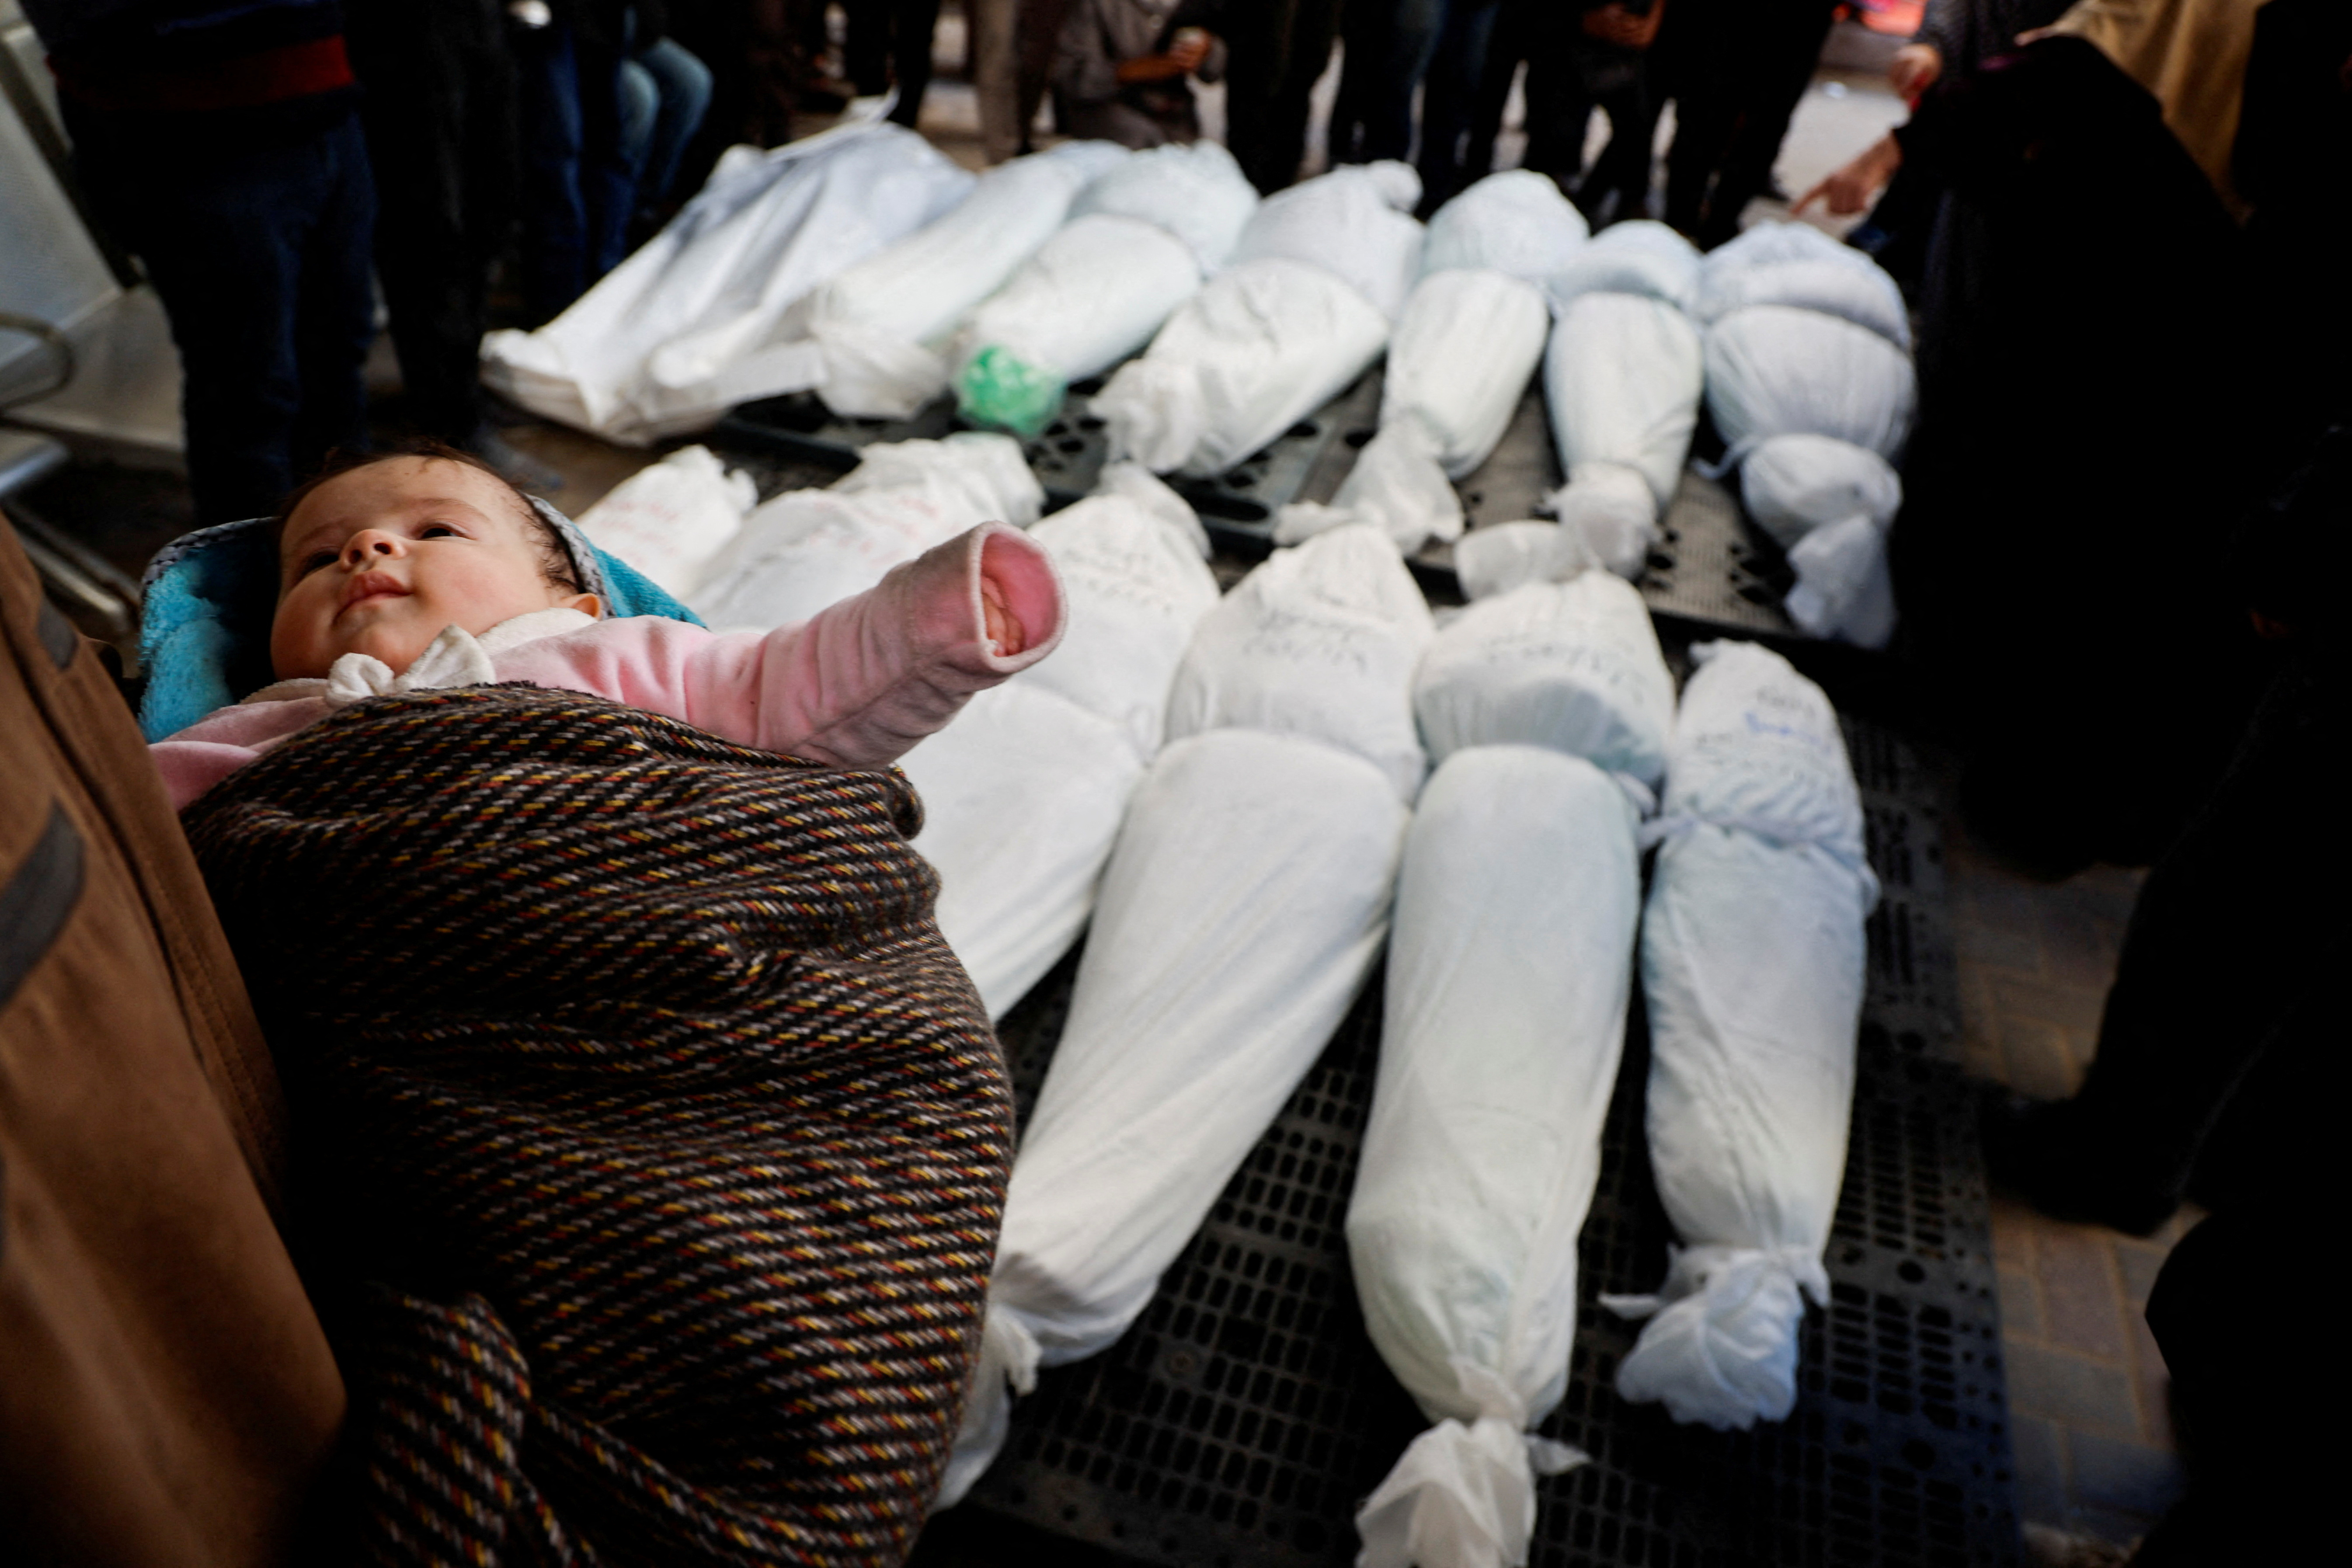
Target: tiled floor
(2095, 1455)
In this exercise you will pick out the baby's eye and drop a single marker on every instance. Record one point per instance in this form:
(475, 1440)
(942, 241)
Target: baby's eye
(436, 530)
(314, 561)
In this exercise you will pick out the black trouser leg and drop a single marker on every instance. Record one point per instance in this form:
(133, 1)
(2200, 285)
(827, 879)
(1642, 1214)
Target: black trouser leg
(258, 248)
(1506, 46)
(1560, 107)
(912, 23)
(865, 50)
(1280, 49)
(2235, 924)
(1449, 104)
(440, 118)
(1776, 79)
(1623, 166)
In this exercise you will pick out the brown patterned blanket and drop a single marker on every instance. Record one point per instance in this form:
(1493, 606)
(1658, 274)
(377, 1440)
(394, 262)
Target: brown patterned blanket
(667, 1134)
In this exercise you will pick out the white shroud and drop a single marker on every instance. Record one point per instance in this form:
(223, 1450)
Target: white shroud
(1752, 965)
(1510, 970)
(1246, 901)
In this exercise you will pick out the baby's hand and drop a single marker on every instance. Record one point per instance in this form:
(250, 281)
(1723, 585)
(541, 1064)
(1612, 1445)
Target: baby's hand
(1004, 628)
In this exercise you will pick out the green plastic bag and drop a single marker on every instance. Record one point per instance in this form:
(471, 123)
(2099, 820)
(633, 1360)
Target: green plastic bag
(995, 388)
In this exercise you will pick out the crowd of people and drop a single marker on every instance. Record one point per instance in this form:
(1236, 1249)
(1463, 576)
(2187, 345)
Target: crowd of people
(265, 161)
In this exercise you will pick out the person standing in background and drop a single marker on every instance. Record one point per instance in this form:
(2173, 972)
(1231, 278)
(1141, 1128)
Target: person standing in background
(2092, 412)
(1580, 58)
(1280, 48)
(223, 145)
(577, 189)
(1449, 100)
(996, 75)
(1955, 37)
(1040, 36)
(1385, 48)
(439, 109)
(1738, 82)
(1124, 65)
(889, 41)
(665, 94)
(1673, 67)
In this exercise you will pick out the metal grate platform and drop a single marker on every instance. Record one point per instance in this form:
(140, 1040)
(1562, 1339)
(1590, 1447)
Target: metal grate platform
(1711, 567)
(1306, 461)
(1243, 1418)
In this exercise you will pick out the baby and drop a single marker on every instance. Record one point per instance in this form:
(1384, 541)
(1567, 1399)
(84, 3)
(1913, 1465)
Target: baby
(653, 1140)
(386, 559)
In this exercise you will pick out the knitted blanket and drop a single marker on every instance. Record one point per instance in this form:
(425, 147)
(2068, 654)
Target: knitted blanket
(669, 1135)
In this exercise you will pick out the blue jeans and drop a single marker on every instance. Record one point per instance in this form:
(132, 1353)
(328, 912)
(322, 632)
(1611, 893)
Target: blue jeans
(1449, 100)
(578, 191)
(665, 94)
(257, 240)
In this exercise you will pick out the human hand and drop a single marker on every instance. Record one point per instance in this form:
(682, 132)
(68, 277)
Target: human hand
(1188, 48)
(1852, 189)
(1613, 24)
(1915, 69)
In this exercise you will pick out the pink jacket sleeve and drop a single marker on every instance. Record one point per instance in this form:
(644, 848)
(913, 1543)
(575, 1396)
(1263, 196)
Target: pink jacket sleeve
(858, 685)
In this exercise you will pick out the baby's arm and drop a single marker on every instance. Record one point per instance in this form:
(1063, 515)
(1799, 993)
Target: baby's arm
(859, 684)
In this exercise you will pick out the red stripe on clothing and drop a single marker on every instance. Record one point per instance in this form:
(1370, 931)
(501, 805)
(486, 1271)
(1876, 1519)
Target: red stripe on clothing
(248, 81)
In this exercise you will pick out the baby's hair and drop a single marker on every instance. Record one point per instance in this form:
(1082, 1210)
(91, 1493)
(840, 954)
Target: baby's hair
(555, 563)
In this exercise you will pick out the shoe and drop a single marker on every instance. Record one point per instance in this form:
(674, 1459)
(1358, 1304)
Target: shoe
(2039, 1151)
(524, 472)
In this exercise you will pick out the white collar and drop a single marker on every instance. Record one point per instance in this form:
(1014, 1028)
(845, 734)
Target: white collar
(456, 658)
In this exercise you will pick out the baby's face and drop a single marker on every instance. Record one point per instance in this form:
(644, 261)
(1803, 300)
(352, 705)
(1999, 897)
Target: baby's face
(380, 560)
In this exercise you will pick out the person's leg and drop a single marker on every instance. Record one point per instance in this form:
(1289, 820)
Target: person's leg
(1790, 47)
(1706, 114)
(1623, 169)
(912, 23)
(865, 47)
(1364, 32)
(207, 223)
(995, 56)
(1314, 29)
(1506, 46)
(718, 34)
(2258, 1486)
(414, 108)
(2231, 929)
(554, 216)
(1040, 32)
(334, 319)
(1664, 70)
(1413, 26)
(684, 85)
(608, 177)
(1255, 66)
(640, 108)
(1449, 100)
(1559, 105)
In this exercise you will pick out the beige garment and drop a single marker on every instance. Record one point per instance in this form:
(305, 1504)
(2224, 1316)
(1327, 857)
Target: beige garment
(167, 1397)
(995, 75)
(2192, 54)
